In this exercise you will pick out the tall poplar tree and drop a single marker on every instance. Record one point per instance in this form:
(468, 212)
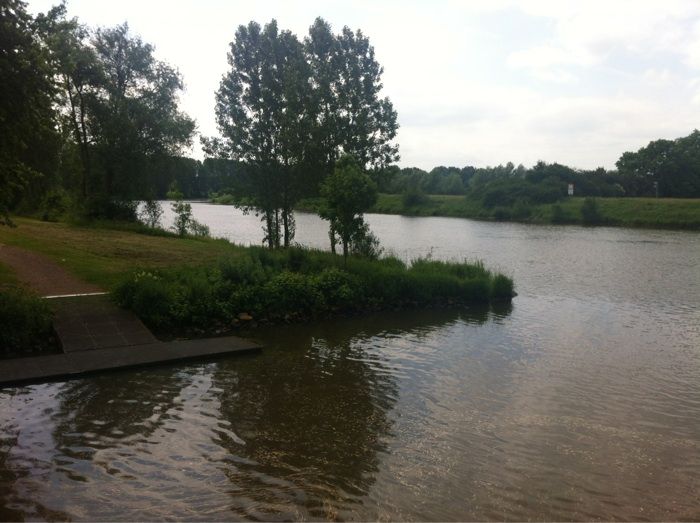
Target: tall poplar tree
(290, 110)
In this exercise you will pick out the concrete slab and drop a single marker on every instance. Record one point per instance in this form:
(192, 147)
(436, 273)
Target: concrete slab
(76, 364)
(97, 336)
(94, 322)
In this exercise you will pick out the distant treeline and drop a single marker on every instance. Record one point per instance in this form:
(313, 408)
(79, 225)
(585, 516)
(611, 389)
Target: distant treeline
(664, 168)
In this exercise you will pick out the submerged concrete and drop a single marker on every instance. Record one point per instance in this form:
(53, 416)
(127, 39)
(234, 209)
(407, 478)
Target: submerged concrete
(97, 336)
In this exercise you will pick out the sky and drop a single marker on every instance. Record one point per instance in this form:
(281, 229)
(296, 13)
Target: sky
(479, 82)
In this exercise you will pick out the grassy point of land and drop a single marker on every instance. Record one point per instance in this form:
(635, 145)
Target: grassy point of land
(200, 285)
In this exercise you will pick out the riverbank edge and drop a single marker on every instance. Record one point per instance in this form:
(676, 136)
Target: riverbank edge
(115, 257)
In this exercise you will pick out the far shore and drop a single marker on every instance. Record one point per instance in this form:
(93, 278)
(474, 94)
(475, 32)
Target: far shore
(651, 213)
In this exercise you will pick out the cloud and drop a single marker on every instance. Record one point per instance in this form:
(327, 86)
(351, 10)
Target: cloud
(479, 82)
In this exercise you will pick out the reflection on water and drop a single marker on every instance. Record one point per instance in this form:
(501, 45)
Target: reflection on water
(581, 400)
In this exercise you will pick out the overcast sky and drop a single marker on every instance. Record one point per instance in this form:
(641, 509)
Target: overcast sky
(474, 83)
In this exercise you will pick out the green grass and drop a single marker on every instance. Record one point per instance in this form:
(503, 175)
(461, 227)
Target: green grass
(7, 275)
(103, 255)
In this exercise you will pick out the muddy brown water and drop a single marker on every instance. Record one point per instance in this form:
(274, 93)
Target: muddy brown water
(579, 401)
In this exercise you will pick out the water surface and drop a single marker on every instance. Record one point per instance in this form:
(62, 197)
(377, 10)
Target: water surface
(579, 401)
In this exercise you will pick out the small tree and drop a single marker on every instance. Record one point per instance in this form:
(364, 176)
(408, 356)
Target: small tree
(184, 222)
(348, 192)
(151, 213)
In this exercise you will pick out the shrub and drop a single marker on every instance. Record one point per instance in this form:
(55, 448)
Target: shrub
(365, 244)
(292, 293)
(183, 216)
(54, 205)
(151, 213)
(185, 223)
(590, 215)
(339, 288)
(501, 214)
(299, 283)
(521, 209)
(26, 321)
(414, 196)
(557, 215)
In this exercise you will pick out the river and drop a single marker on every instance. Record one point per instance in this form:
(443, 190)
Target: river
(579, 401)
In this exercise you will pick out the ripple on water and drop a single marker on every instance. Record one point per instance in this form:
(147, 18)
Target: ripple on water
(581, 401)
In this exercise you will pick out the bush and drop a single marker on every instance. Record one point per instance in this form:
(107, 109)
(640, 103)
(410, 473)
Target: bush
(151, 213)
(54, 205)
(521, 209)
(185, 223)
(557, 215)
(103, 207)
(26, 322)
(590, 215)
(414, 196)
(365, 244)
(501, 214)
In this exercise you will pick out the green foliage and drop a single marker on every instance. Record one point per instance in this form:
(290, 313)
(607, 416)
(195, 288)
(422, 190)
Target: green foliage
(185, 223)
(348, 193)
(414, 196)
(298, 284)
(673, 165)
(365, 244)
(557, 214)
(151, 214)
(174, 192)
(55, 204)
(590, 213)
(28, 139)
(522, 210)
(287, 109)
(26, 321)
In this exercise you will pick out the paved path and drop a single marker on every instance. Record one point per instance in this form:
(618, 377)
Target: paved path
(95, 334)
(43, 275)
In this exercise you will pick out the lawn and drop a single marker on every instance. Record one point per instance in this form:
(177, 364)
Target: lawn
(102, 255)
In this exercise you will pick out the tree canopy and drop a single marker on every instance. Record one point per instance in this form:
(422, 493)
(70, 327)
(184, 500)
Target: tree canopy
(674, 165)
(27, 133)
(82, 111)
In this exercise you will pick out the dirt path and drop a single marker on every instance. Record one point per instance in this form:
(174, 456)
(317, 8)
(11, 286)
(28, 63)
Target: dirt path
(43, 275)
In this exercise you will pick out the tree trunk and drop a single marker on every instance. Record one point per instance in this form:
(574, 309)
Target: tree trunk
(269, 219)
(84, 145)
(331, 235)
(285, 222)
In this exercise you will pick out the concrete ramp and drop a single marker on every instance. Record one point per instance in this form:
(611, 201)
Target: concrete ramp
(97, 336)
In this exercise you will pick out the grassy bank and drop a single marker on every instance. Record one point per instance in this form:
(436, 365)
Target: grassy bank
(670, 213)
(185, 285)
(103, 255)
(660, 213)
